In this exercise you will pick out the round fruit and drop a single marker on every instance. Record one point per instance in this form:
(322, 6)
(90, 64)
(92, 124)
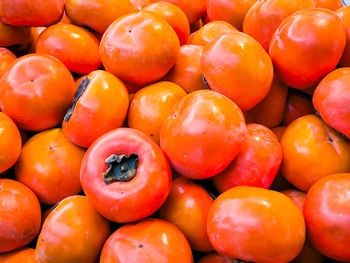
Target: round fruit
(24, 255)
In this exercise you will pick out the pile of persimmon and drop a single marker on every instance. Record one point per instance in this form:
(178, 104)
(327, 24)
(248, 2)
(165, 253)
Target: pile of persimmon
(174, 131)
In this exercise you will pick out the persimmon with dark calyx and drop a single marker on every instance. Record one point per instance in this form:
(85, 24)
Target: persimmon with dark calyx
(23, 255)
(203, 134)
(100, 105)
(298, 105)
(125, 175)
(14, 36)
(44, 88)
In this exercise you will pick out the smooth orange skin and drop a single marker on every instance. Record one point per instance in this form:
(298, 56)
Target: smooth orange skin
(263, 18)
(329, 4)
(12, 35)
(10, 143)
(187, 69)
(101, 108)
(232, 11)
(261, 222)
(139, 4)
(43, 87)
(256, 164)
(279, 131)
(187, 207)
(139, 48)
(20, 215)
(296, 196)
(31, 13)
(298, 105)
(327, 216)
(35, 32)
(175, 17)
(215, 258)
(50, 166)
(210, 31)
(152, 105)
(6, 58)
(203, 134)
(97, 14)
(306, 141)
(236, 65)
(76, 47)
(270, 110)
(23, 255)
(148, 241)
(344, 15)
(72, 232)
(331, 99)
(304, 50)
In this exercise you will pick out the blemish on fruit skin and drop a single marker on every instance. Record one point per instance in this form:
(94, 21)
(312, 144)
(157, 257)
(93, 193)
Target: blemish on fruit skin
(140, 246)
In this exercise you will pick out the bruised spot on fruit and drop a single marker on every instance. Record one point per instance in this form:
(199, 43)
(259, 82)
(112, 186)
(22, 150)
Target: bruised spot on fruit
(140, 246)
(121, 168)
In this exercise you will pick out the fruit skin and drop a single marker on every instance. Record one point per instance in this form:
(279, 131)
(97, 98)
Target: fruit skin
(298, 105)
(13, 35)
(215, 258)
(101, 108)
(187, 207)
(6, 58)
(20, 215)
(303, 50)
(137, 198)
(24, 255)
(256, 164)
(327, 216)
(296, 196)
(139, 48)
(72, 232)
(331, 99)
(261, 221)
(152, 105)
(235, 65)
(329, 4)
(151, 240)
(203, 134)
(344, 15)
(33, 81)
(305, 142)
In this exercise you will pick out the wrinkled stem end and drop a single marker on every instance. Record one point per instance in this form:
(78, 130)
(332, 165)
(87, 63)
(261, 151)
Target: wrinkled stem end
(121, 168)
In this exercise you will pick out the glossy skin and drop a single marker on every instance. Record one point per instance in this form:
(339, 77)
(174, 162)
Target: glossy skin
(296, 196)
(12, 35)
(73, 232)
(33, 81)
(210, 31)
(298, 105)
(329, 4)
(263, 18)
(327, 216)
(31, 13)
(306, 141)
(152, 105)
(301, 62)
(10, 143)
(270, 110)
(331, 100)
(174, 16)
(6, 58)
(261, 221)
(101, 108)
(187, 207)
(97, 14)
(256, 164)
(232, 11)
(203, 134)
(236, 66)
(126, 201)
(186, 71)
(215, 258)
(148, 241)
(50, 166)
(20, 215)
(139, 48)
(23, 255)
(139, 4)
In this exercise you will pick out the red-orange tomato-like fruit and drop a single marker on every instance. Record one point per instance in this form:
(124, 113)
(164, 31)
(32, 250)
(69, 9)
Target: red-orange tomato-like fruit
(215, 258)
(73, 232)
(187, 71)
(139, 48)
(296, 196)
(304, 50)
(203, 134)
(187, 207)
(344, 15)
(14, 35)
(20, 215)
(10, 143)
(329, 4)
(139, 4)
(236, 66)
(151, 240)
(298, 105)
(152, 105)
(263, 18)
(50, 166)
(174, 16)
(261, 222)
(6, 58)
(23, 255)
(327, 216)
(42, 86)
(256, 164)
(76, 47)
(31, 13)
(100, 105)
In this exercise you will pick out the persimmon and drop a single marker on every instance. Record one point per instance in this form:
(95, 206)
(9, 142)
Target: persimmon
(298, 105)
(6, 58)
(23, 255)
(14, 36)
(344, 15)
(329, 4)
